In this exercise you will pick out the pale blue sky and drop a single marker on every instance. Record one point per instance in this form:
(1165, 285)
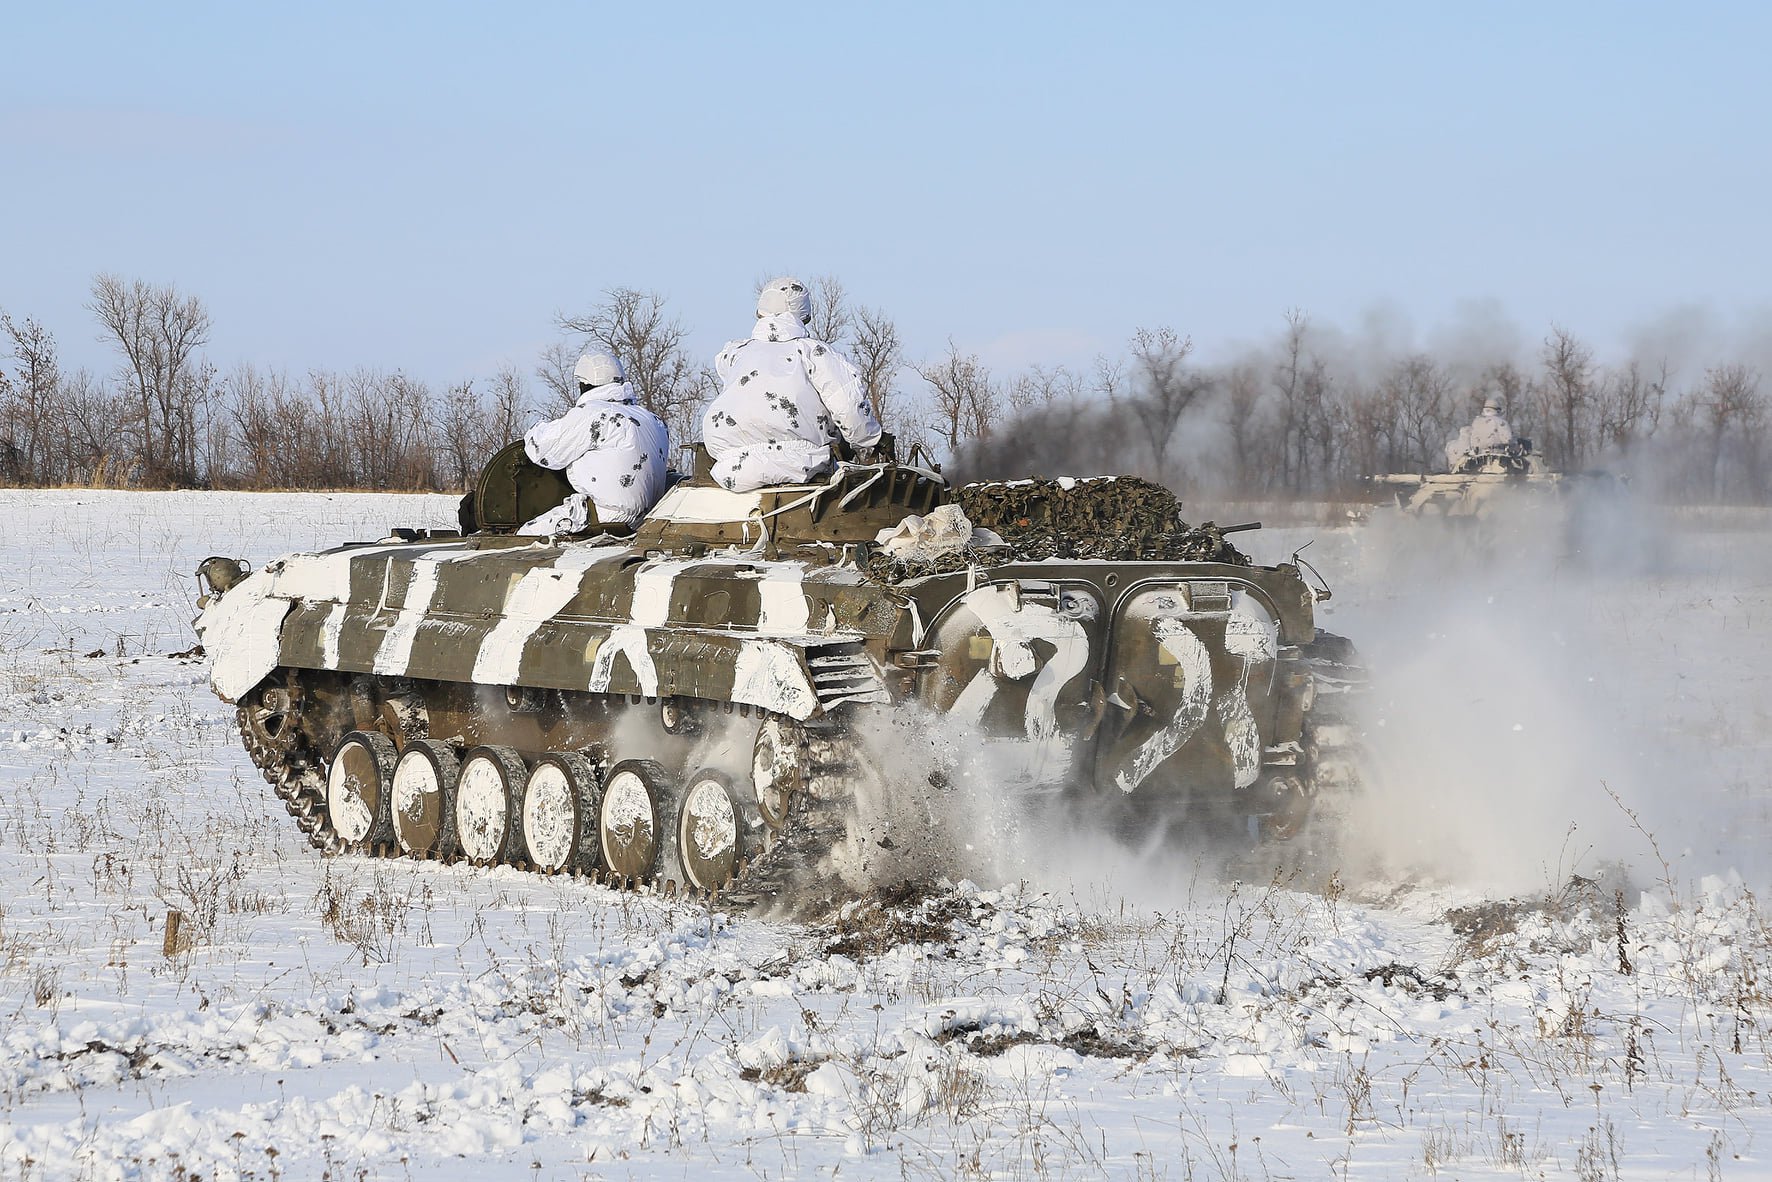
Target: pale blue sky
(424, 186)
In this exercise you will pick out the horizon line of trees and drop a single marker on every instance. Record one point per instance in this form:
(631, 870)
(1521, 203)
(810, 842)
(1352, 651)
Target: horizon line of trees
(1297, 417)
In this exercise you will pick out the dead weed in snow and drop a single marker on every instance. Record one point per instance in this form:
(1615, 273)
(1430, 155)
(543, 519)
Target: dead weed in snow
(908, 914)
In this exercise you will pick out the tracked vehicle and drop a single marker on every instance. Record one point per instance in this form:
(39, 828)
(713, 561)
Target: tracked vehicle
(683, 704)
(1475, 485)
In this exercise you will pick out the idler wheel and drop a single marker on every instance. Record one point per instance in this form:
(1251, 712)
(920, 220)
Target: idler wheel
(560, 813)
(776, 770)
(488, 805)
(357, 798)
(628, 818)
(270, 718)
(424, 799)
(714, 828)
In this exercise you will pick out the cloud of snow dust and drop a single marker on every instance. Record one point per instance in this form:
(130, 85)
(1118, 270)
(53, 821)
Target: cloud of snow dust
(950, 804)
(1529, 667)
(1535, 674)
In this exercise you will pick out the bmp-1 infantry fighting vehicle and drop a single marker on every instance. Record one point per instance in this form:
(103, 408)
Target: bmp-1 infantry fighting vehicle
(683, 703)
(1475, 482)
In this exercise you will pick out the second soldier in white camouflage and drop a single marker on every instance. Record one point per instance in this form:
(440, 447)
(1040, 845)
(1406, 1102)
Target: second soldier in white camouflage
(785, 398)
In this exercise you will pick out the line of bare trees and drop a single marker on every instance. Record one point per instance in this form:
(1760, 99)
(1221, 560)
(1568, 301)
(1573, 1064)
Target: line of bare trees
(1293, 420)
(1299, 417)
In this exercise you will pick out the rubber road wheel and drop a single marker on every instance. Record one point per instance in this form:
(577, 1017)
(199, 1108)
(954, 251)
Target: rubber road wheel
(560, 814)
(715, 829)
(488, 805)
(424, 799)
(358, 802)
(629, 819)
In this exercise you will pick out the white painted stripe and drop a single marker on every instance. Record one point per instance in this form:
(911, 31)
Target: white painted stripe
(703, 505)
(771, 676)
(329, 635)
(395, 653)
(323, 578)
(626, 640)
(782, 593)
(538, 597)
(652, 590)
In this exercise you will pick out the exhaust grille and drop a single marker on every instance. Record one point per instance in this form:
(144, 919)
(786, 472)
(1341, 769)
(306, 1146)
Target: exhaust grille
(845, 673)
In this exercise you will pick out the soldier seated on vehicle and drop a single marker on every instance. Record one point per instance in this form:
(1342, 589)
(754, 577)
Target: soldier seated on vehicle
(785, 399)
(613, 452)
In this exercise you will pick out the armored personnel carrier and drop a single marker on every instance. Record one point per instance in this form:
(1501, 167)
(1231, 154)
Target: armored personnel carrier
(1475, 484)
(680, 704)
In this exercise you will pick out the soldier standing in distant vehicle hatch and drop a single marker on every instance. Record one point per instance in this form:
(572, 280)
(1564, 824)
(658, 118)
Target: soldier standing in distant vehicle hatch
(784, 399)
(1489, 430)
(613, 451)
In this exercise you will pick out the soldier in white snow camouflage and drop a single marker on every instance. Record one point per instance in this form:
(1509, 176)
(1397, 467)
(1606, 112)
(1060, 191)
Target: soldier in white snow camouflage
(785, 399)
(614, 452)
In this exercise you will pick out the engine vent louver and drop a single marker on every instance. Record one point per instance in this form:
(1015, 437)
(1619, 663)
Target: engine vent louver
(844, 673)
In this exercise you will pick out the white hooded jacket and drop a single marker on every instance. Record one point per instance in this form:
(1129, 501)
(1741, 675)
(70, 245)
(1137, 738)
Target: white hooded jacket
(1490, 430)
(613, 451)
(784, 400)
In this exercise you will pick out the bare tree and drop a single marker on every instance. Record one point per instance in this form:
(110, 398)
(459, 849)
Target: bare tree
(1729, 414)
(1506, 380)
(462, 427)
(1039, 388)
(1305, 421)
(879, 355)
(1253, 462)
(1419, 393)
(831, 315)
(28, 405)
(555, 371)
(634, 326)
(159, 332)
(509, 410)
(1630, 404)
(964, 396)
(1567, 395)
(1162, 388)
(86, 418)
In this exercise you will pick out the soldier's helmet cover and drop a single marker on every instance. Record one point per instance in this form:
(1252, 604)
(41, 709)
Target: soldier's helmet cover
(597, 367)
(786, 295)
(1494, 403)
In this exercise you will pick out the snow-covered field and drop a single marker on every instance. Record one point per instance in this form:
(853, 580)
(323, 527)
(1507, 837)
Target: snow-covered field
(1453, 990)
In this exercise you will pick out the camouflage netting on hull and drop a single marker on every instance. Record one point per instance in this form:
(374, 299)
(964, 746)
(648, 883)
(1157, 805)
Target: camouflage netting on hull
(1112, 518)
(1099, 517)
